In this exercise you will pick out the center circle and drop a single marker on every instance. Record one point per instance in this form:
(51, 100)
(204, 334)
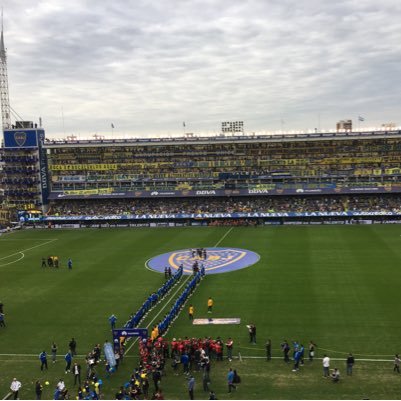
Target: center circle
(214, 260)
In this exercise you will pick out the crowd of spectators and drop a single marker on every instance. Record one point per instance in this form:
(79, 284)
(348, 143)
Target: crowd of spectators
(128, 167)
(233, 222)
(19, 176)
(340, 203)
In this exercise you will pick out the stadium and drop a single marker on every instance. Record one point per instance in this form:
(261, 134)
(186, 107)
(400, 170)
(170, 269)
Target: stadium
(298, 226)
(232, 266)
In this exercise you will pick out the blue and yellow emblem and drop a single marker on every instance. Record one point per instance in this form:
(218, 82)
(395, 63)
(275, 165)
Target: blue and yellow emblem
(214, 260)
(20, 138)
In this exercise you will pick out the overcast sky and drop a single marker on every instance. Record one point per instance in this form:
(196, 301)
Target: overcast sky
(149, 66)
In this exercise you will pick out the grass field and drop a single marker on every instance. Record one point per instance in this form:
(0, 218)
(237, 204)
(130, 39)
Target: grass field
(337, 285)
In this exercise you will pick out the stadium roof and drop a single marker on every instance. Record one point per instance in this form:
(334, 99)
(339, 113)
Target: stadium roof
(317, 136)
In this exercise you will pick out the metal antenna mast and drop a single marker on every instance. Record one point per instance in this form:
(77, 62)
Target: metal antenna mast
(4, 97)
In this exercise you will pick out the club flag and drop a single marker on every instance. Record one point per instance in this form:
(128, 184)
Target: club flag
(360, 118)
(109, 354)
(112, 125)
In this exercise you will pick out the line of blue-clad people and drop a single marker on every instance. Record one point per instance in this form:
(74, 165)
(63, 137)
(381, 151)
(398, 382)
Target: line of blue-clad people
(172, 314)
(153, 299)
(179, 303)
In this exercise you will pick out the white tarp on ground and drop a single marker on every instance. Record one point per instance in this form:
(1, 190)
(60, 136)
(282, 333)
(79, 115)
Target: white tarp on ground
(227, 320)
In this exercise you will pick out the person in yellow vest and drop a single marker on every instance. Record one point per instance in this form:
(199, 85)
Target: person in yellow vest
(153, 334)
(209, 305)
(191, 311)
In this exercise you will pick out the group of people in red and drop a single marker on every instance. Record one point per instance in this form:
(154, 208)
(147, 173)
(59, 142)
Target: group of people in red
(193, 354)
(213, 348)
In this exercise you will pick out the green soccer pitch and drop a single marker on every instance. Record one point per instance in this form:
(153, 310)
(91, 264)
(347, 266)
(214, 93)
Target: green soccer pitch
(336, 285)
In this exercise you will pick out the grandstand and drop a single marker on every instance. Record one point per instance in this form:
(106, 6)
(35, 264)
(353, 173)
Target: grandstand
(342, 172)
(342, 161)
(348, 173)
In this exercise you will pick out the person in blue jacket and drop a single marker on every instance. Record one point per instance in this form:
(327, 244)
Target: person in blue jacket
(68, 360)
(43, 360)
(112, 320)
(297, 358)
(185, 363)
(230, 381)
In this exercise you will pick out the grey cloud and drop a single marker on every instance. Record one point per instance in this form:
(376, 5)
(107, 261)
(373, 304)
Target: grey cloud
(149, 65)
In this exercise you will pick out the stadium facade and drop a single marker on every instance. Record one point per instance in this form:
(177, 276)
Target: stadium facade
(269, 178)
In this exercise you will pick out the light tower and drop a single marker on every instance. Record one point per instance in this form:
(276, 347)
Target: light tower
(5, 101)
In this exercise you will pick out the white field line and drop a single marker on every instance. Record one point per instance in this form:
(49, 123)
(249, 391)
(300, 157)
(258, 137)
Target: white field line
(224, 236)
(146, 265)
(26, 239)
(28, 249)
(316, 360)
(170, 298)
(320, 359)
(60, 358)
(14, 261)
